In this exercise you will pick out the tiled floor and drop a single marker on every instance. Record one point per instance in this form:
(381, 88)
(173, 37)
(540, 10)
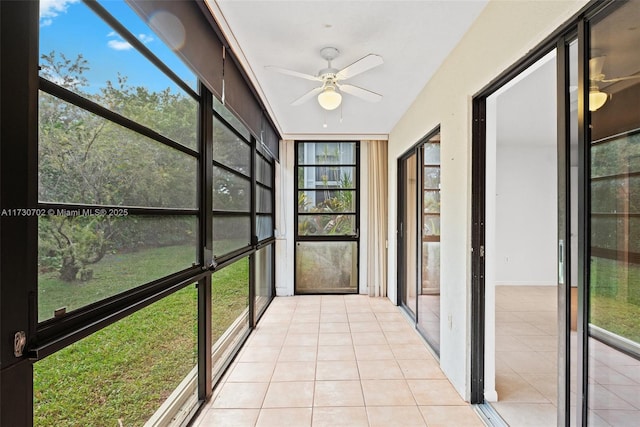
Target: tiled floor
(335, 361)
(526, 356)
(526, 365)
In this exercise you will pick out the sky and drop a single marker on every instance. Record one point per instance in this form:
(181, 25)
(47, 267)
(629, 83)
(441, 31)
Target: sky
(71, 28)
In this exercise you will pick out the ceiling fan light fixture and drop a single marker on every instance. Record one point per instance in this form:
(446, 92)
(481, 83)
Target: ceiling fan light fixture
(596, 98)
(329, 98)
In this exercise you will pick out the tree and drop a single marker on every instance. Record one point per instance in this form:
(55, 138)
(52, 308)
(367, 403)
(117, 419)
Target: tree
(86, 159)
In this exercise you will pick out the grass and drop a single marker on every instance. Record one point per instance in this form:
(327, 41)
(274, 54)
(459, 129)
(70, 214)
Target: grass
(124, 372)
(615, 297)
(114, 274)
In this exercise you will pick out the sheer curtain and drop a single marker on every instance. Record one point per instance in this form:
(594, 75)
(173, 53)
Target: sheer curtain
(377, 218)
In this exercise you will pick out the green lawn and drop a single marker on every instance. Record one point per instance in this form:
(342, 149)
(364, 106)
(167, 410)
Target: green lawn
(127, 370)
(615, 297)
(114, 274)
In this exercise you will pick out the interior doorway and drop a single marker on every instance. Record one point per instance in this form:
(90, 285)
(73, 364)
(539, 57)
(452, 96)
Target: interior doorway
(521, 261)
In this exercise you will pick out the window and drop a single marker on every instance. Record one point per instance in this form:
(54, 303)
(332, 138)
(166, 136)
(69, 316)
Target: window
(327, 217)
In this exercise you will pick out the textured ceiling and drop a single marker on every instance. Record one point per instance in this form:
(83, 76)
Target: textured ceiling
(413, 37)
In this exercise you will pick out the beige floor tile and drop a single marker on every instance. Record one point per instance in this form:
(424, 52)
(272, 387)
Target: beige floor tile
(290, 394)
(398, 325)
(294, 371)
(514, 388)
(337, 370)
(374, 352)
(331, 317)
(387, 393)
(434, 392)
(267, 340)
(362, 317)
(420, 369)
(259, 354)
(394, 316)
(368, 338)
(229, 418)
(395, 416)
(403, 338)
(335, 339)
(241, 395)
(336, 352)
(305, 318)
(301, 339)
(412, 351)
(340, 417)
(450, 416)
(247, 372)
(338, 393)
(304, 327)
(365, 326)
(527, 414)
(379, 370)
(298, 353)
(279, 417)
(335, 327)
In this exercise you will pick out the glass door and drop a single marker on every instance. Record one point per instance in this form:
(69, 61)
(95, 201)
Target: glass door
(327, 232)
(612, 242)
(408, 272)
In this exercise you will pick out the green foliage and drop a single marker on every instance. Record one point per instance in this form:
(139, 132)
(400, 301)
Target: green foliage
(85, 159)
(332, 214)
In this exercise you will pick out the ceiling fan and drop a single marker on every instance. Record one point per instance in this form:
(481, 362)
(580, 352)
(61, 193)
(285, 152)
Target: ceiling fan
(329, 96)
(598, 98)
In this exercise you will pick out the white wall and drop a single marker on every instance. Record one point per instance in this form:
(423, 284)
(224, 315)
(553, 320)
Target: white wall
(526, 214)
(504, 32)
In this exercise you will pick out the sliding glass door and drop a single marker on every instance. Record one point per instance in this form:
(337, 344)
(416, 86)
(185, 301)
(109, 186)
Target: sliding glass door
(613, 249)
(419, 236)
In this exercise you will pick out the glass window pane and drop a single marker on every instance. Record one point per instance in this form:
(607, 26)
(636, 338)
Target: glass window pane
(219, 108)
(86, 258)
(614, 285)
(264, 200)
(617, 156)
(101, 66)
(230, 191)
(432, 178)
(229, 311)
(431, 154)
(431, 202)
(327, 153)
(123, 13)
(230, 233)
(264, 225)
(429, 298)
(264, 278)
(85, 159)
(326, 201)
(326, 225)
(326, 177)
(124, 372)
(326, 266)
(431, 225)
(230, 150)
(264, 171)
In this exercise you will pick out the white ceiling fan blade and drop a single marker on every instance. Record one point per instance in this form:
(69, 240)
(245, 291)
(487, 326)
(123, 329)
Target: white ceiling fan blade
(307, 96)
(619, 79)
(360, 66)
(293, 73)
(365, 94)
